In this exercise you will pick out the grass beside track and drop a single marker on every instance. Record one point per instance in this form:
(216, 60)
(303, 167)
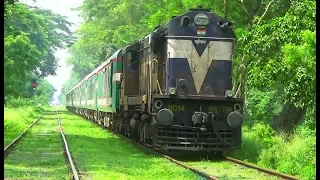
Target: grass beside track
(100, 155)
(16, 120)
(225, 170)
(39, 154)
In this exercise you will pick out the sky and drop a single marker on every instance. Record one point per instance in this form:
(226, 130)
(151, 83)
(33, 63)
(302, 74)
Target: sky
(62, 7)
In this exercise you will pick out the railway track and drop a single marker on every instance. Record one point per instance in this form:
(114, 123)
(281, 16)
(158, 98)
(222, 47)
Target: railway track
(268, 171)
(67, 152)
(16, 140)
(212, 177)
(150, 151)
(36, 138)
(204, 174)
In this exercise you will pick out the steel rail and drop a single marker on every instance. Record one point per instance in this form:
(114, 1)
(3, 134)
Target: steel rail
(201, 173)
(149, 150)
(268, 171)
(73, 168)
(6, 149)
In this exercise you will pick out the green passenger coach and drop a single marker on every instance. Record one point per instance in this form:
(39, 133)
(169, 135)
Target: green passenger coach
(98, 91)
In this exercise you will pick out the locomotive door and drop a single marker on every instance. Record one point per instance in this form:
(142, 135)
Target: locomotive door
(151, 71)
(154, 75)
(159, 48)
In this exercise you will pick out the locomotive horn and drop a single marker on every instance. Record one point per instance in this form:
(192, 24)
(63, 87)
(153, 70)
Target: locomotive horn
(229, 24)
(225, 24)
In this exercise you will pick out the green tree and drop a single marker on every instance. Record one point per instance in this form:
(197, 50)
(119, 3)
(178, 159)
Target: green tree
(31, 37)
(268, 63)
(44, 92)
(67, 86)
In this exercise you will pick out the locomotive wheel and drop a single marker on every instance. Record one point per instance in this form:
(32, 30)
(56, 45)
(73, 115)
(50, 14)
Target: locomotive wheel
(122, 126)
(96, 117)
(218, 154)
(105, 121)
(142, 138)
(99, 115)
(110, 125)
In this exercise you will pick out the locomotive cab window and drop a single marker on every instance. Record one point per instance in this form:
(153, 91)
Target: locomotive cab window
(132, 65)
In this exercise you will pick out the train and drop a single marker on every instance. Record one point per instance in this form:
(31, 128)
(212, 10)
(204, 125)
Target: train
(171, 90)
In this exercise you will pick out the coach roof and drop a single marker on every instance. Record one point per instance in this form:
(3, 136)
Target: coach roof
(114, 55)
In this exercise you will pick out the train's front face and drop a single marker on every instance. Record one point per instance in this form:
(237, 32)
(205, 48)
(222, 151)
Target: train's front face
(199, 111)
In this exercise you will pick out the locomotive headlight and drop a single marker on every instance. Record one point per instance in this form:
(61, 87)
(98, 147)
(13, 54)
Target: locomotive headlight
(165, 117)
(229, 93)
(201, 20)
(235, 119)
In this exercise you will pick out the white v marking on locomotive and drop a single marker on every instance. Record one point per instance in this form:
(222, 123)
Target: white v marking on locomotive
(215, 50)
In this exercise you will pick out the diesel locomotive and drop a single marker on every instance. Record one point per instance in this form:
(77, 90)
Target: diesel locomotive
(171, 89)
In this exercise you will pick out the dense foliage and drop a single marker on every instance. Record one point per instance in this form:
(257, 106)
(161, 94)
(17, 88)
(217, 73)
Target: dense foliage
(31, 37)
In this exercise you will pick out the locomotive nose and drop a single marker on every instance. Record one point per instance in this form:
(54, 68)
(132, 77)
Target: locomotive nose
(235, 119)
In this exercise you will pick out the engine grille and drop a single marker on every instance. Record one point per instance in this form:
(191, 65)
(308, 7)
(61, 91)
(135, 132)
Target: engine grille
(186, 138)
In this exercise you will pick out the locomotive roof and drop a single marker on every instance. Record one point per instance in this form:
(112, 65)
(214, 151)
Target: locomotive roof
(114, 55)
(176, 29)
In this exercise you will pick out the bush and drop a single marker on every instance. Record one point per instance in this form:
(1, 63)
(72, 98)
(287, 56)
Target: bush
(250, 149)
(16, 119)
(254, 140)
(25, 103)
(270, 156)
(295, 156)
(262, 106)
(290, 153)
(12, 126)
(19, 102)
(38, 109)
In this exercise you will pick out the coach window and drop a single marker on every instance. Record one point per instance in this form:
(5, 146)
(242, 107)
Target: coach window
(106, 81)
(90, 88)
